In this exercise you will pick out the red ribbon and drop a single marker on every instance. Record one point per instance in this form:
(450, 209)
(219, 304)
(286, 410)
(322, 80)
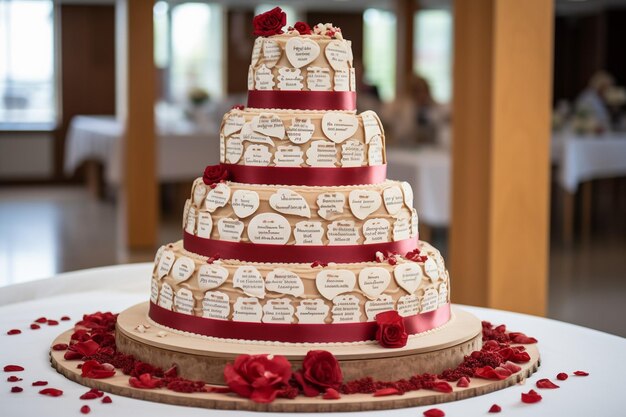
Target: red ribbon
(302, 100)
(309, 176)
(255, 252)
(294, 333)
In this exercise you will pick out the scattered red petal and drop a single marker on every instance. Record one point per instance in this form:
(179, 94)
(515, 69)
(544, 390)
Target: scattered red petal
(442, 386)
(531, 397)
(53, 323)
(13, 378)
(39, 383)
(217, 390)
(546, 384)
(13, 332)
(16, 389)
(81, 349)
(511, 367)
(495, 408)
(434, 412)
(331, 394)
(13, 368)
(52, 392)
(35, 326)
(65, 318)
(41, 320)
(85, 409)
(60, 346)
(487, 372)
(89, 396)
(144, 381)
(581, 373)
(107, 400)
(521, 338)
(463, 382)
(386, 391)
(562, 376)
(96, 370)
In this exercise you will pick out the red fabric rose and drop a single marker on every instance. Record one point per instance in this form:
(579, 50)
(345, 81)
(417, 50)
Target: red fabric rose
(214, 174)
(258, 377)
(302, 28)
(391, 332)
(269, 23)
(320, 371)
(96, 370)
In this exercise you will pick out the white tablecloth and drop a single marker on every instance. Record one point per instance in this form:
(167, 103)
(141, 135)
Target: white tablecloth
(584, 158)
(564, 348)
(183, 151)
(428, 172)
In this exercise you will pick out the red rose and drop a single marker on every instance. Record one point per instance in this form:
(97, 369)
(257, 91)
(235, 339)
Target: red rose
(302, 28)
(269, 23)
(258, 377)
(320, 371)
(391, 332)
(214, 174)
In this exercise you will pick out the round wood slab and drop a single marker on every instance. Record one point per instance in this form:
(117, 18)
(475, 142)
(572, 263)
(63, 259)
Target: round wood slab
(197, 356)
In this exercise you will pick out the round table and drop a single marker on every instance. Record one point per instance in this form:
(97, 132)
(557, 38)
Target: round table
(564, 348)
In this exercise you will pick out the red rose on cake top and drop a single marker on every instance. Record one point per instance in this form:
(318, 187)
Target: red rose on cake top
(269, 23)
(302, 28)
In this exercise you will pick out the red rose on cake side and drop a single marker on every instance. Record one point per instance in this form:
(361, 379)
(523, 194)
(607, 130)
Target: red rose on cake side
(258, 377)
(320, 371)
(214, 174)
(269, 23)
(302, 28)
(391, 332)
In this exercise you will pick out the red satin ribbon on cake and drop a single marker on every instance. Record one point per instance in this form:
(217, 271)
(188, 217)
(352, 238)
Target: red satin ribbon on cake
(254, 252)
(302, 100)
(293, 333)
(308, 176)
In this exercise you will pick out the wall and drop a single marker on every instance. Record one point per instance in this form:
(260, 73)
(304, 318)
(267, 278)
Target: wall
(25, 155)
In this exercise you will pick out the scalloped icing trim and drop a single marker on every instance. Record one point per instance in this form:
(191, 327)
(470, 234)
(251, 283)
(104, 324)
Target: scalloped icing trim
(295, 112)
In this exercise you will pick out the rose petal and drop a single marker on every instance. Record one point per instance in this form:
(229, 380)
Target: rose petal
(39, 383)
(41, 320)
(521, 338)
(546, 384)
(107, 400)
(85, 409)
(531, 397)
(53, 323)
(495, 408)
(35, 326)
(581, 373)
(442, 386)
(562, 376)
(331, 394)
(434, 412)
(52, 392)
(387, 391)
(13, 368)
(13, 378)
(463, 382)
(60, 346)
(16, 389)
(13, 332)
(89, 396)
(65, 318)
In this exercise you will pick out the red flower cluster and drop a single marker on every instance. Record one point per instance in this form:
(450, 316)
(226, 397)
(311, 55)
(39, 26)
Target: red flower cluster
(320, 372)
(302, 28)
(415, 256)
(95, 370)
(214, 174)
(258, 377)
(269, 23)
(391, 332)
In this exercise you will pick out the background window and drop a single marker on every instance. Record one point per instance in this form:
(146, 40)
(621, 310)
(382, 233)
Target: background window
(379, 51)
(27, 93)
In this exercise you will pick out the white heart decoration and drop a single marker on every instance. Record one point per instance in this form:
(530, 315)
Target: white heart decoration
(247, 134)
(321, 153)
(408, 276)
(308, 233)
(190, 226)
(408, 305)
(431, 270)
(234, 149)
(371, 125)
(375, 151)
(249, 279)
(408, 194)
(337, 54)
(216, 305)
(269, 228)
(379, 305)
(339, 126)
(414, 223)
(256, 50)
(211, 276)
(443, 294)
(330, 205)
(166, 297)
(154, 291)
(429, 300)
(184, 301)
(278, 310)
(352, 153)
(205, 225)
(283, 281)
(301, 52)
(300, 131)
(165, 263)
(287, 201)
(312, 311)
(346, 309)
(230, 229)
(183, 269)
(364, 202)
(332, 282)
(217, 197)
(233, 123)
(401, 229)
(244, 203)
(268, 124)
(257, 155)
(342, 232)
(393, 199)
(374, 280)
(247, 310)
(376, 231)
(288, 156)
(271, 53)
(199, 192)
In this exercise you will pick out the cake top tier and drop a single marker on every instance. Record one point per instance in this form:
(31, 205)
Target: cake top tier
(300, 67)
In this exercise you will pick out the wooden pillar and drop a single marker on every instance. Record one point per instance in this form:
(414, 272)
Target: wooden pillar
(138, 203)
(405, 10)
(501, 167)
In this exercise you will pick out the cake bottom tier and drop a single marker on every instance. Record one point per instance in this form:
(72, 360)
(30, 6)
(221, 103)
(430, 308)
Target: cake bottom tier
(202, 359)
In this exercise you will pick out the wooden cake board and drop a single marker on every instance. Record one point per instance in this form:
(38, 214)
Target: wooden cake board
(204, 359)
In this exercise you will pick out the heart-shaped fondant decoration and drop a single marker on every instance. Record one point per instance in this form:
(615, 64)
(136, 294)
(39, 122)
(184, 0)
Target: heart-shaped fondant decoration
(337, 53)
(332, 282)
(288, 156)
(283, 281)
(377, 306)
(401, 229)
(269, 228)
(308, 233)
(408, 276)
(244, 203)
(414, 223)
(247, 310)
(443, 294)
(278, 310)
(230, 229)
(154, 291)
(249, 279)
(346, 309)
(371, 125)
(287, 201)
(257, 155)
(330, 205)
(216, 305)
(190, 226)
(233, 122)
(205, 225)
(300, 131)
(199, 192)
(393, 199)
(211, 276)
(256, 50)
(312, 311)
(364, 202)
(183, 269)
(234, 149)
(301, 52)
(352, 153)
(339, 126)
(408, 194)
(217, 197)
(408, 305)
(268, 124)
(342, 232)
(166, 297)
(271, 53)
(321, 153)
(165, 263)
(431, 270)
(374, 280)
(376, 231)
(375, 151)
(429, 300)
(184, 301)
(247, 134)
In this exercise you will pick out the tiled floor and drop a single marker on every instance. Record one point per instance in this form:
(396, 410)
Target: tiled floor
(48, 230)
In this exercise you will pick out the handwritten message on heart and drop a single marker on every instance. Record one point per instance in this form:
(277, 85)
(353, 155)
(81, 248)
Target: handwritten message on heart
(332, 282)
